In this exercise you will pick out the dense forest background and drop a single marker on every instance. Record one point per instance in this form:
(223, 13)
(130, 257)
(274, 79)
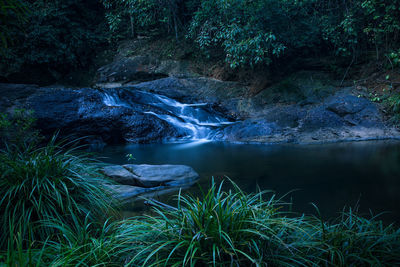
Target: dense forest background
(49, 39)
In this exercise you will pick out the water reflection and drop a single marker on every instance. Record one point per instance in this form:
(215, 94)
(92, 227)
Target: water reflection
(332, 176)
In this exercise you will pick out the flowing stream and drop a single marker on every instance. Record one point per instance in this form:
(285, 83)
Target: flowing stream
(196, 121)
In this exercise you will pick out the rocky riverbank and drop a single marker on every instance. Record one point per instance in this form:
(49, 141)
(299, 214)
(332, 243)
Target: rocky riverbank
(307, 108)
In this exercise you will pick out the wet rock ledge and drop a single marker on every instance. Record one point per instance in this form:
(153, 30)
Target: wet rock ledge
(134, 180)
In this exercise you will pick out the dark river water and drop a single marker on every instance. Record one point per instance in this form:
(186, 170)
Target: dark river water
(363, 174)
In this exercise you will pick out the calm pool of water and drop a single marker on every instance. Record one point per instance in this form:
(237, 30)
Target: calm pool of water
(364, 174)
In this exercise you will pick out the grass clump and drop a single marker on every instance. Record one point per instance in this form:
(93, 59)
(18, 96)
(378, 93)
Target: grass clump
(84, 243)
(237, 229)
(352, 240)
(47, 183)
(223, 229)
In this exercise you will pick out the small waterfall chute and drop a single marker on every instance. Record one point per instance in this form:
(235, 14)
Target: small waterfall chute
(196, 121)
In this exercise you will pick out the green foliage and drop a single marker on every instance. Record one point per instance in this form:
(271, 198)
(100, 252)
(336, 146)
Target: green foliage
(57, 36)
(50, 182)
(355, 27)
(84, 243)
(128, 17)
(357, 241)
(224, 229)
(254, 32)
(394, 57)
(221, 229)
(258, 33)
(235, 229)
(11, 12)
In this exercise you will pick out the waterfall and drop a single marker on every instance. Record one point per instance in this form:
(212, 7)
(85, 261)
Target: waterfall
(196, 121)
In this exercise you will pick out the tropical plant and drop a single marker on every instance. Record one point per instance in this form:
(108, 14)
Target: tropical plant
(223, 229)
(50, 182)
(352, 240)
(84, 243)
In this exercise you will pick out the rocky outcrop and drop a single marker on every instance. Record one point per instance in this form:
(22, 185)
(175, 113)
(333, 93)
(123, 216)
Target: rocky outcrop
(84, 112)
(139, 69)
(341, 117)
(135, 180)
(128, 114)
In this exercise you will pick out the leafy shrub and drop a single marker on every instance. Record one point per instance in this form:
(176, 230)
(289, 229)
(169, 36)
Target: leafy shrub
(11, 12)
(129, 17)
(254, 32)
(46, 183)
(356, 27)
(56, 37)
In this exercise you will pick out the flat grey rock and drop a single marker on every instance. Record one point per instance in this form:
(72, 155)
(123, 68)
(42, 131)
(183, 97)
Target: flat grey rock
(120, 175)
(162, 175)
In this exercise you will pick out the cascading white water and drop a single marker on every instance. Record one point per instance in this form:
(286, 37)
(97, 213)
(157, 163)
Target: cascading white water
(194, 120)
(113, 101)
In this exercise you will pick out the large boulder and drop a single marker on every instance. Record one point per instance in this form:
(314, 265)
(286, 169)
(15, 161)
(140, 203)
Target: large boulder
(319, 117)
(355, 110)
(250, 130)
(138, 180)
(138, 69)
(341, 117)
(128, 69)
(120, 175)
(343, 104)
(162, 175)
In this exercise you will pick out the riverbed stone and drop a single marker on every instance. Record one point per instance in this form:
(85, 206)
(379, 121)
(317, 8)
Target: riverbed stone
(343, 104)
(120, 175)
(162, 175)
